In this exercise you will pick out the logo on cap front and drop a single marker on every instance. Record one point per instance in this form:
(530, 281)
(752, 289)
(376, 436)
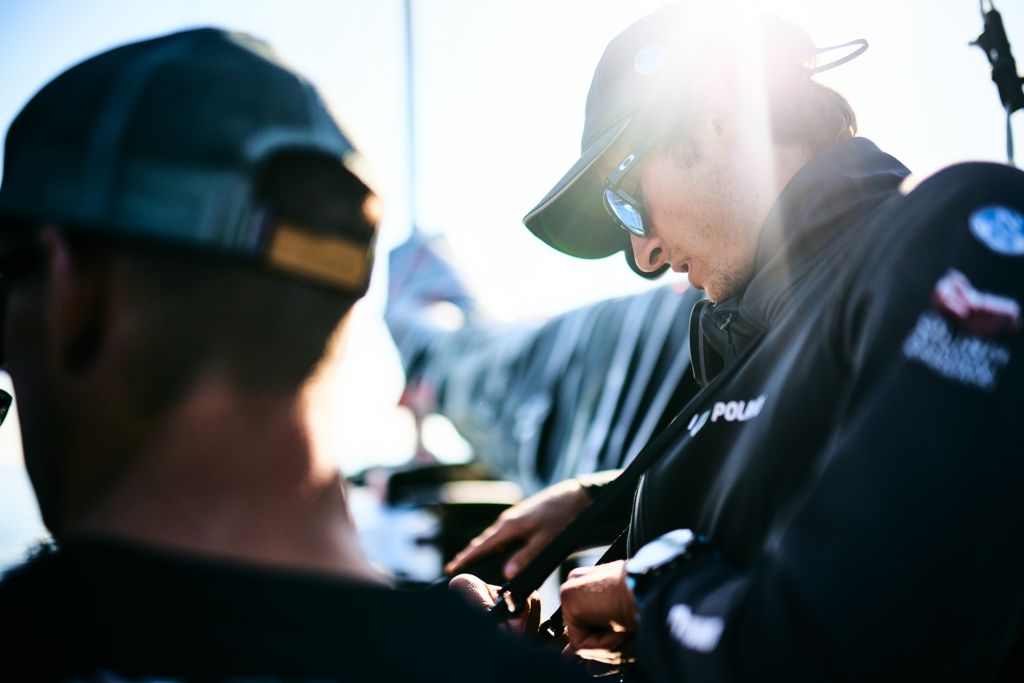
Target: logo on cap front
(649, 59)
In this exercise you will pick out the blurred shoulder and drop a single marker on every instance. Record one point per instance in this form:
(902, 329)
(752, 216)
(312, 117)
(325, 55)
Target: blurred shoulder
(965, 182)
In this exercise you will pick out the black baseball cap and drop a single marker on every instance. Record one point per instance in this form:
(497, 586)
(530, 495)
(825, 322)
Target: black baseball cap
(163, 139)
(636, 76)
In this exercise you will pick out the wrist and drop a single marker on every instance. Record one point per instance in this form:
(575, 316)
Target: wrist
(575, 495)
(632, 602)
(593, 482)
(662, 556)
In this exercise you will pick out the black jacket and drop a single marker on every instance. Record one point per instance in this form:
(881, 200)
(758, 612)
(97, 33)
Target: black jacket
(859, 462)
(112, 611)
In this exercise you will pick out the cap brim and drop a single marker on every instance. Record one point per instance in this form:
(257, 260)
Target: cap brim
(572, 217)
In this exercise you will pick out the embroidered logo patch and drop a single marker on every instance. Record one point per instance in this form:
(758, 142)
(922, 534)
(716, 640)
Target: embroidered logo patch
(697, 422)
(729, 411)
(962, 358)
(958, 338)
(999, 228)
(978, 313)
(649, 59)
(695, 631)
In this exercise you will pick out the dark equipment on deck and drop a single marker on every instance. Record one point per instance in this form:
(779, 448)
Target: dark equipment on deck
(996, 45)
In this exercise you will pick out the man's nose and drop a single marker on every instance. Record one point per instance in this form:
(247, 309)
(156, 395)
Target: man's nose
(648, 252)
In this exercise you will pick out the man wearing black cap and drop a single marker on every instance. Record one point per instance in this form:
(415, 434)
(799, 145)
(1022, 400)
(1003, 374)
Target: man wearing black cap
(840, 501)
(183, 235)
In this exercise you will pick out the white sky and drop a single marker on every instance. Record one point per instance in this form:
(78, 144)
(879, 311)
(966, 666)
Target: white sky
(501, 89)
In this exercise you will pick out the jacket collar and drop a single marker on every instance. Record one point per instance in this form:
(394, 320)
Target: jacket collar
(832, 192)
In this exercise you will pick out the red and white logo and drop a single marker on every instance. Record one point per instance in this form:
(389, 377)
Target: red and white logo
(978, 313)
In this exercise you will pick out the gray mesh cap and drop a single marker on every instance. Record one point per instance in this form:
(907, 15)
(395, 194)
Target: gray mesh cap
(162, 139)
(635, 75)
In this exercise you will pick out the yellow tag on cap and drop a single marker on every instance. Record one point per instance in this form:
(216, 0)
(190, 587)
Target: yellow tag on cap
(327, 258)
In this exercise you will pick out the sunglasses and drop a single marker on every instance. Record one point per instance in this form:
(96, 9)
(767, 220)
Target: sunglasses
(5, 404)
(620, 205)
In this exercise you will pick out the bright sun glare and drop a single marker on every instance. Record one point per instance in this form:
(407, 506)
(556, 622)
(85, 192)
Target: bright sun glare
(500, 94)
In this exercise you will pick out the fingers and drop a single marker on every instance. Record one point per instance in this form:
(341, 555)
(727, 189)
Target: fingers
(528, 621)
(590, 639)
(481, 594)
(525, 555)
(542, 514)
(532, 621)
(474, 590)
(597, 606)
(490, 540)
(578, 573)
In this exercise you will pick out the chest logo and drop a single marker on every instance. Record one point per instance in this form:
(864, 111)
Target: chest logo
(999, 228)
(727, 411)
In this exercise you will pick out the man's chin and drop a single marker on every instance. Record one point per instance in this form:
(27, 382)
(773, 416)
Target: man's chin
(719, 290)
(713, 294)
(45, 489)
(712, 288)
(50, 513)
(699, 286)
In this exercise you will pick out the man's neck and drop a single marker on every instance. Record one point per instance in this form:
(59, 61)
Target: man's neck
(235, 477)
(789, 159)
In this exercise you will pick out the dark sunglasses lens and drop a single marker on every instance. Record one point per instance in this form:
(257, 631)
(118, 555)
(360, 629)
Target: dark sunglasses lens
(625, 213)
(5, 404)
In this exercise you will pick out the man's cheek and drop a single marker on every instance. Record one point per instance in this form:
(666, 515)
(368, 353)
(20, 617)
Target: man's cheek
(38, 414)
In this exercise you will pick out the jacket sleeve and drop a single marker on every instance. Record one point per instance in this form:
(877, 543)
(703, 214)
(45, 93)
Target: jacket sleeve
(903, 558)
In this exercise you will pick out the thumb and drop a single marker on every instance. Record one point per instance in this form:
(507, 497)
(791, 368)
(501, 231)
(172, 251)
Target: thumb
(473, 590)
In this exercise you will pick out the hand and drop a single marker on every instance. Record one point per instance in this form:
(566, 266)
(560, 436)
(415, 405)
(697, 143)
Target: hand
(483, 595)
(598, 608)
(534, 522)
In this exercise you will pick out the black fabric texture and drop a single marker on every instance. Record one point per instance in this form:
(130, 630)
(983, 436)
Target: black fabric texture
(98, 608)
(867, 512)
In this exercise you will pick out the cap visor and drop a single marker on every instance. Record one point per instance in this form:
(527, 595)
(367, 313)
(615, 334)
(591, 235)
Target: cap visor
(572, 217)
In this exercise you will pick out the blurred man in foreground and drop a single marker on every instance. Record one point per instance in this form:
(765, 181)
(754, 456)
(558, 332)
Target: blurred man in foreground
(184, 234)
(840, 500)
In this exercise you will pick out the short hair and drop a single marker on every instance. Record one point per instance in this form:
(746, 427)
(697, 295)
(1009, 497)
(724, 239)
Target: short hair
(801, 110)
(265, 330)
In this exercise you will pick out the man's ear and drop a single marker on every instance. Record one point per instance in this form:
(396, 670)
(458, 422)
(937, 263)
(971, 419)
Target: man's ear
(77, 296)
(713, 109)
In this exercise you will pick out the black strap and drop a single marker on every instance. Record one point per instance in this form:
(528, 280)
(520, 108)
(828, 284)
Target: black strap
(518, 589)
(553, 628)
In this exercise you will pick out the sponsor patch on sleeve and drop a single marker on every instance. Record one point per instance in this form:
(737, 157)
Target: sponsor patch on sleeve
(999, 228)
(961, 337)
(978, 313)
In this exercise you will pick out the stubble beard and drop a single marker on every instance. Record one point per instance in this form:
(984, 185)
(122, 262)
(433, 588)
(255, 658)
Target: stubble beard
(727, 283)
(736, 244)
